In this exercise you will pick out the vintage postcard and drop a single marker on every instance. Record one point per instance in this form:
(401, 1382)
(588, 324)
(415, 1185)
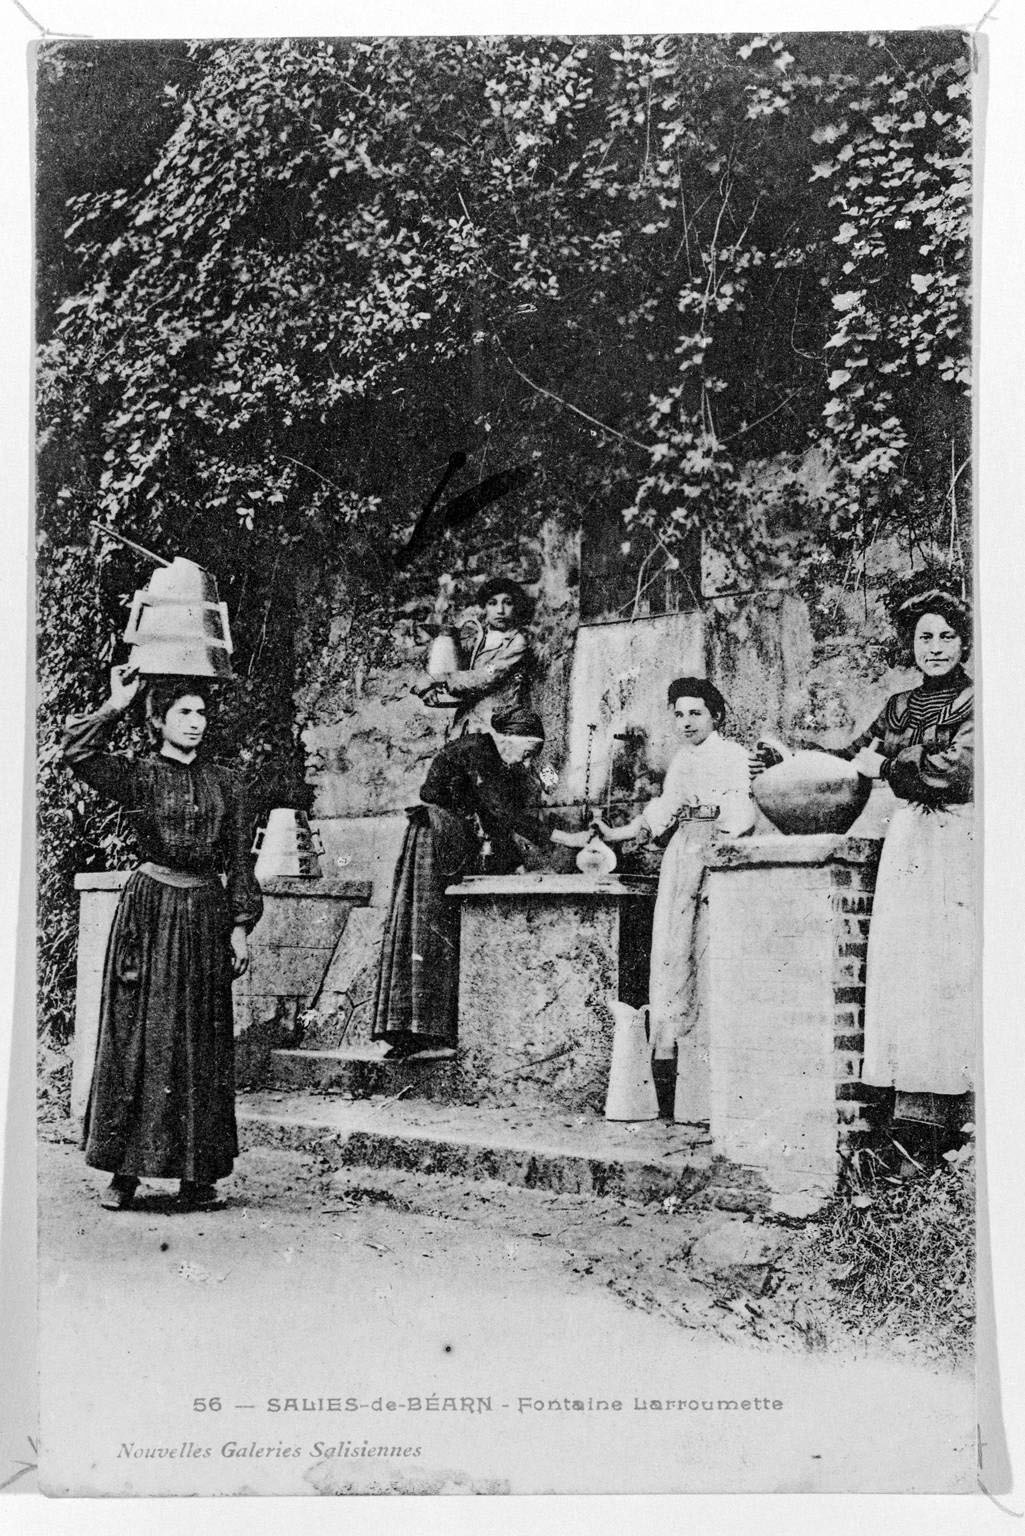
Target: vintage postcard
(509, 863)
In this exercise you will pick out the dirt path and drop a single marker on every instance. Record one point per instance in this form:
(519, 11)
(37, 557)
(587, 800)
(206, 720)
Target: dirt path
(324, 1288)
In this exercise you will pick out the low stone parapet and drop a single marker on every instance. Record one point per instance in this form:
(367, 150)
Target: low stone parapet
(783, 936)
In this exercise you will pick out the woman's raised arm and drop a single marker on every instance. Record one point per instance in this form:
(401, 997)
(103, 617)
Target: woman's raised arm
(86, 741)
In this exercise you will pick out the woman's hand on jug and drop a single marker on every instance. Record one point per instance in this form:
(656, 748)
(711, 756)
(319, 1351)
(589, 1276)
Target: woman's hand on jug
(869, 761)
(762, 756)
(424, 684)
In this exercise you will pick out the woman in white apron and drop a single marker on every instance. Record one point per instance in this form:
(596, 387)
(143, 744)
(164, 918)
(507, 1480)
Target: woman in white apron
(706, 794)
(920, 1000)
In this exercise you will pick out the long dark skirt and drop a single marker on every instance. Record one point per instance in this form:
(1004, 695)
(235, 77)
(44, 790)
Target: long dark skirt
(418, 979)
(162, 1101)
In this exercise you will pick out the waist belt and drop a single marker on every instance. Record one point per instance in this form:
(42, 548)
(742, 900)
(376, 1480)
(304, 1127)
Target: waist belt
(182, 878)
(698, 813)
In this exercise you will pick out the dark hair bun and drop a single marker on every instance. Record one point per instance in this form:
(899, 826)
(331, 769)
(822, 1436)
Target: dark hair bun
(699, 688)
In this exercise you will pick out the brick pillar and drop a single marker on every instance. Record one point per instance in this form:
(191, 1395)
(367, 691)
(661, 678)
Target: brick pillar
(853, 887)
(783, 991)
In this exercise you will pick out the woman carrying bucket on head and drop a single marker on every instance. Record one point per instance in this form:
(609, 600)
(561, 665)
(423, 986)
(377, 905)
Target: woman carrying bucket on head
(162, 1101)
(162, 1097)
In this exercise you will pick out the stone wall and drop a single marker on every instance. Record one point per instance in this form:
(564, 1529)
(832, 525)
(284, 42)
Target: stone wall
(369, 741)
(542, 959)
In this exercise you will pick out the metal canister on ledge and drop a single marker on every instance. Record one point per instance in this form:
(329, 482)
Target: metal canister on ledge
(287, 847)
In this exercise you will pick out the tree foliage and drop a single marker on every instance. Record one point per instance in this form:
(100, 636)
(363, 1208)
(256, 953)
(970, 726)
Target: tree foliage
(647, 267)
(706, 251)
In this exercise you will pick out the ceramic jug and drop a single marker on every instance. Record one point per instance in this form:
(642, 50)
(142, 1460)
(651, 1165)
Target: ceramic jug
(596, 857)
(812, 792)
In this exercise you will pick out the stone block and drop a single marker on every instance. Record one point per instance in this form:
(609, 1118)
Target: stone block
(778, 1012)
(346, 996)
(365, 848)
(98, 898)
(539, 967)
(306, 922)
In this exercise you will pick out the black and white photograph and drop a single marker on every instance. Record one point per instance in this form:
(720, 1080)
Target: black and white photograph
(509, 877)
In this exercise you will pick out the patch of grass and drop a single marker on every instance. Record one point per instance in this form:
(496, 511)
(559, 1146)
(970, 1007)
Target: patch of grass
(53, 1084)
(898, 1255)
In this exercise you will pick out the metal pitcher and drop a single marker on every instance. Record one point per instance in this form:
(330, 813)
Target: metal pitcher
(177, 627)
(631, 1093)
(287, 847)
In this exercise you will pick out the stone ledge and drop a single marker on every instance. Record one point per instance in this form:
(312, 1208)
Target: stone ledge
(822, 848)
(575, 1154)
(323, 888)
(364, 1074)
(547, 884)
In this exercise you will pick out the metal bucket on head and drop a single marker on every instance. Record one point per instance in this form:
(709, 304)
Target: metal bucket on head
(287, 847)
(177, 626)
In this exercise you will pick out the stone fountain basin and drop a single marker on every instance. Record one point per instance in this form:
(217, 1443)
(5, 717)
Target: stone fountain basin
(543, 882)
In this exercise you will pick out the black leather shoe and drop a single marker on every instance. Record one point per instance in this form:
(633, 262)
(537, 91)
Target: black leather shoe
(197, 1197)
(119, 1193)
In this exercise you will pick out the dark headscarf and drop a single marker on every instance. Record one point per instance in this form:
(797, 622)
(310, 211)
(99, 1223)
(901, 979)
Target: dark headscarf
(699, 688)
(517, 721)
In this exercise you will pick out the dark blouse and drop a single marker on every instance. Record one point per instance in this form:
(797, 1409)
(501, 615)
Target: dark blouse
(926, 736)
(186, 816)
(469, 779)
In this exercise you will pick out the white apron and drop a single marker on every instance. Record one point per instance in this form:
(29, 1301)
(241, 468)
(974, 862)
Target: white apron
(920, 996)
(672, 987)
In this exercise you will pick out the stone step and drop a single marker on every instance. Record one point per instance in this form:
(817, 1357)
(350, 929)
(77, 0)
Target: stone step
(363, 1073)
(577, 1154)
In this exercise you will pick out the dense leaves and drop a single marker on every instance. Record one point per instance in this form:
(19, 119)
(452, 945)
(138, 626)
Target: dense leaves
(717, 283)
(653, 261)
